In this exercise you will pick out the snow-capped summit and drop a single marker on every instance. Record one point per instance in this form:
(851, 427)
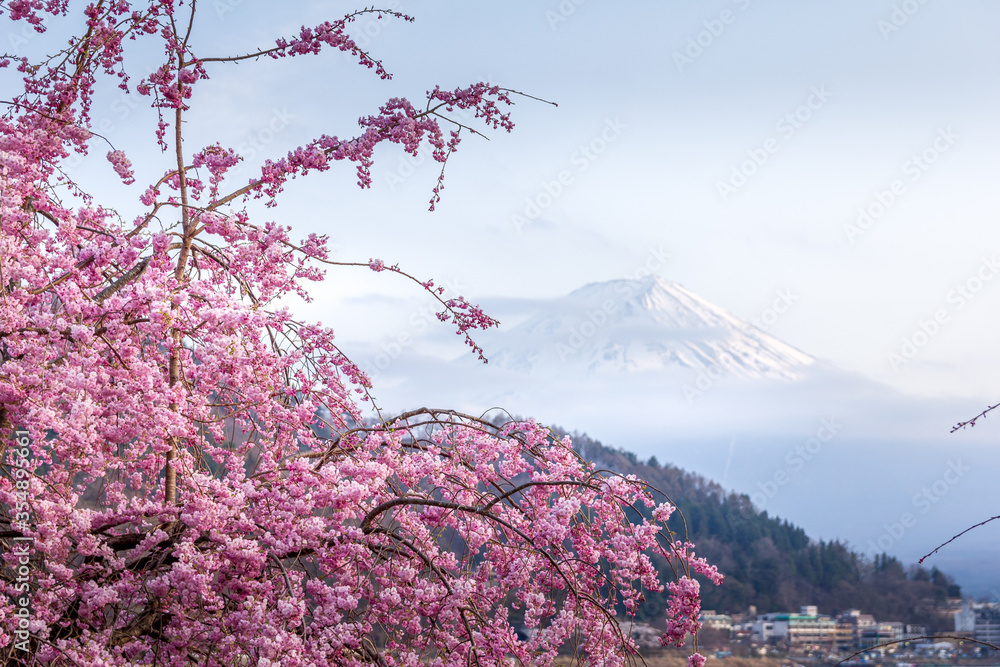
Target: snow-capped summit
(641, 325)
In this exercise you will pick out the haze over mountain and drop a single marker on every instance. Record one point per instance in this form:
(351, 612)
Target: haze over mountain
(651, 367)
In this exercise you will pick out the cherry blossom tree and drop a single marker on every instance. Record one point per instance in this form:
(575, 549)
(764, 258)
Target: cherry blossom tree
(191, 478)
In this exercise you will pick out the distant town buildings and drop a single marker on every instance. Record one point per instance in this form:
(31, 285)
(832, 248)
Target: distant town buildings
(810, 630)
(852, 631)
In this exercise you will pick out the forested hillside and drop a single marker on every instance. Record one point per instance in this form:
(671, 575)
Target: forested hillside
(773, 564)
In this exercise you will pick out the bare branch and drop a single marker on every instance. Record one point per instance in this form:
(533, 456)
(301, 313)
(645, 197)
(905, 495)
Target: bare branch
(992, 518)
(910, 639)
(972, 422)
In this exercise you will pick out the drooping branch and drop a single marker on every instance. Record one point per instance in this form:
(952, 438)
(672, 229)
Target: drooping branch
(940, 546)
(910, 639)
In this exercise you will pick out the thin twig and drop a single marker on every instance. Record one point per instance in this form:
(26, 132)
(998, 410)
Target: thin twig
(992, 518)
(972, 422)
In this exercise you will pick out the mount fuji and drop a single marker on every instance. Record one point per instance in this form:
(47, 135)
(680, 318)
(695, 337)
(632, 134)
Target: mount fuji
(648, 324)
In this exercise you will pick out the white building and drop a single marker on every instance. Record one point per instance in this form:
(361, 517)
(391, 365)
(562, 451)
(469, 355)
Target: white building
(981, 620)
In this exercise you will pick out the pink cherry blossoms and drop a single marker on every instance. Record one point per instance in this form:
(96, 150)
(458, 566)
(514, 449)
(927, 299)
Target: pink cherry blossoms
(122, 166)
(193, 478)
